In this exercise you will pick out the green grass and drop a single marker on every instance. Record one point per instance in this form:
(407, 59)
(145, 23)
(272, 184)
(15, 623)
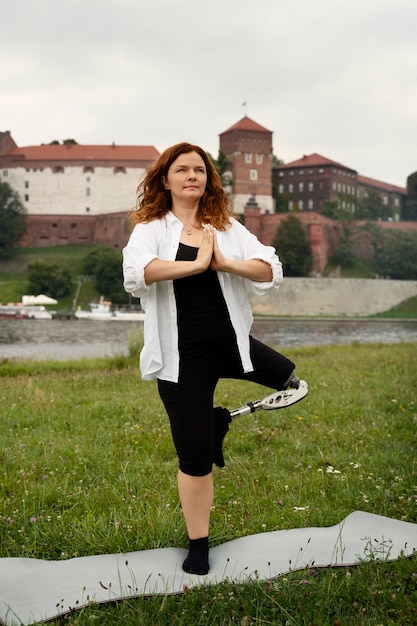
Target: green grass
(13, 272)
(88, 467)
(404, 310)
(363, 268)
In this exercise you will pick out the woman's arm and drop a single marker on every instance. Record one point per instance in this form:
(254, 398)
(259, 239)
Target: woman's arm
(252, 269)
(158, 269)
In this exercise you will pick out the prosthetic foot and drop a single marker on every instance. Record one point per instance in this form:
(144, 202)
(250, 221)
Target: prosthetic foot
(297, 390)
(277, 400)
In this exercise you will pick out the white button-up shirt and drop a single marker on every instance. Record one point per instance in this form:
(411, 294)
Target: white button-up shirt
(159, 239)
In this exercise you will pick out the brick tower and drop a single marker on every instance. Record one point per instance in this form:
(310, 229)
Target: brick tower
(248, 147)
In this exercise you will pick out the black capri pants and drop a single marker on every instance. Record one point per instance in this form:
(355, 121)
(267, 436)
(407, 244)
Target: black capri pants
(189, 403)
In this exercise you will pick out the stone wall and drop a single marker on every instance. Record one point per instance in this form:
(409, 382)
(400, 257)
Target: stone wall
(334, 297)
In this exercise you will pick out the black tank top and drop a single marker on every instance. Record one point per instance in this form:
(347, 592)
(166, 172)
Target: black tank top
(201, 309)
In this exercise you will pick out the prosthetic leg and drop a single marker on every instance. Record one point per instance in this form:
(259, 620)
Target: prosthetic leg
(297, 390)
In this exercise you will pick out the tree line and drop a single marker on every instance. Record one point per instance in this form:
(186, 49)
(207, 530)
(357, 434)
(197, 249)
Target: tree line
(394, 252)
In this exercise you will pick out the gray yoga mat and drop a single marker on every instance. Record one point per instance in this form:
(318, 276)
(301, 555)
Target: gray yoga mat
(33, 590)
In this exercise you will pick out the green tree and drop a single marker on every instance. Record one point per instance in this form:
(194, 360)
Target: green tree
(222, 165)
(52, 279)
(294, 247)
(12, 220)
(411, 203)
(106, 266)
(276, 161)
(374, 233)
(345, 254)
(398, 255)
(65, 142)
(335, 210)
(281, 199)
(373, 207)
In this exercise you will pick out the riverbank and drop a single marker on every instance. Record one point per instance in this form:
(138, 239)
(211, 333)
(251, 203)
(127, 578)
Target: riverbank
(334, 297)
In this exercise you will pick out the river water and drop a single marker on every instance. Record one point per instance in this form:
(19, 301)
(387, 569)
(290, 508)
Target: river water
(74, 339)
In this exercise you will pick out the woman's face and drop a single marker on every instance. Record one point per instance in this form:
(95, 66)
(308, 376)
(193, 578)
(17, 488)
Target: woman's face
(187, 177)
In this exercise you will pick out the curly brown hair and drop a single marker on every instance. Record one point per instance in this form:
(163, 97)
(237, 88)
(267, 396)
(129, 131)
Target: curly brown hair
(154, 201)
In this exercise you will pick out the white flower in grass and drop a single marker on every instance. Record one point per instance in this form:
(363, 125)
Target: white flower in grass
(331, 470)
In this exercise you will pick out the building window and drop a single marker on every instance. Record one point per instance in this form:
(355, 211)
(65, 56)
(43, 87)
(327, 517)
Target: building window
(301, 205)
(88, 168)
(300, 186)
(290, 205)
(311, 204)
(259, 159)
(253, 174)
(280, 188)
(120, 170)
(5, 173)
(59, 170)
(290, 188)
(281, 174)
(396, 201)
(311, 186)
(87, 209)
(26, 197)
(26, 184)
(301, 172)
(248, 157)
(87, 191)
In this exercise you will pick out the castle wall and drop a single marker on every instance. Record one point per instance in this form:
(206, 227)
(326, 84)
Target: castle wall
(74, 190)
(333, 297)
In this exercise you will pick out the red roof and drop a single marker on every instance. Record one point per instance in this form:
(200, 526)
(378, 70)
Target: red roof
(378, 184)
(247, 124)
(313, 160)
(77, 152)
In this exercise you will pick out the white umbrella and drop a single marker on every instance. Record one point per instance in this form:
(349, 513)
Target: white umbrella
(40, 299)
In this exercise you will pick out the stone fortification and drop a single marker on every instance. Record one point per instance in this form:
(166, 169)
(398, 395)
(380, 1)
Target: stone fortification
(334, 297)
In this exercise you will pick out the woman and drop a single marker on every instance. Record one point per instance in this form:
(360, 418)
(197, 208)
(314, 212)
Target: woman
(192, 264)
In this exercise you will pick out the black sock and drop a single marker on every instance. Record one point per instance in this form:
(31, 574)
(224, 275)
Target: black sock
(197, 559)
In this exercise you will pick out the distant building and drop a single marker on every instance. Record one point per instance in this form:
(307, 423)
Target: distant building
(81, 194)
(74, 179)
(308, 183)
(248, 148)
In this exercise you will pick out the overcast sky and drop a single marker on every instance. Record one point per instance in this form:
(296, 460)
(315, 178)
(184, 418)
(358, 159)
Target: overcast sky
(337, 77)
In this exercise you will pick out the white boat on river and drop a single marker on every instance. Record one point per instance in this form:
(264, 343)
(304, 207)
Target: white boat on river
(97, 311)
(102, 310)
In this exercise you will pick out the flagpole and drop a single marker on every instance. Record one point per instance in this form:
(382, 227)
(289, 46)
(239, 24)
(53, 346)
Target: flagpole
(245, 108)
